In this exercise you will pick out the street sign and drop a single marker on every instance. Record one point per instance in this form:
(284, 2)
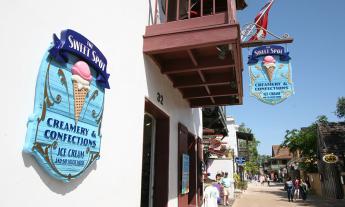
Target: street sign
(240, 160)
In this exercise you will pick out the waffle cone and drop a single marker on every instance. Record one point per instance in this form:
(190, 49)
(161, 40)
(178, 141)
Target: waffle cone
(79, 99)
(269, 72)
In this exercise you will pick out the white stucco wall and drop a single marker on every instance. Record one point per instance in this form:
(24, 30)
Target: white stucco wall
(116, 27)
(231, 139)
(221, 165)
(216, 165)
(225, 165)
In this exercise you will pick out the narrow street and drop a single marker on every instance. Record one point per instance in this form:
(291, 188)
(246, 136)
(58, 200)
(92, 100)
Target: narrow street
(274, 195)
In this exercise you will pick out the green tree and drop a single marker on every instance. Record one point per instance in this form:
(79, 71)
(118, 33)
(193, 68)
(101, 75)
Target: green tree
(252, 165)
(340, 112)
(304, 140)
(243, 128)
(263, 159)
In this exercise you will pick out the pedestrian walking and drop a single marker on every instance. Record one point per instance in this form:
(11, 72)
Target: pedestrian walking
(211, 195)
(303, 189)
(227, 184)
(289, 187)
(219, 187)
(262, 179)
(297, 184)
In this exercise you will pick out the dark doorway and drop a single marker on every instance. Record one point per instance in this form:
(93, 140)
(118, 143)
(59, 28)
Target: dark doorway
(187, 145)
(199, 171)
(147, 175)
(155, 164)
(192, 170)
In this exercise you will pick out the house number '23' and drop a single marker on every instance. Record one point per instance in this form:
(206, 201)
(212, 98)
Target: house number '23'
(160, 98)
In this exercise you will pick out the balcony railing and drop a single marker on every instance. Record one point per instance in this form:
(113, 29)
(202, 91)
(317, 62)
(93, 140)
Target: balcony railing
(176, 10)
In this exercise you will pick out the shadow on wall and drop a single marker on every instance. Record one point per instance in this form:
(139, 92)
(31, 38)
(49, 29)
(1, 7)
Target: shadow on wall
(149, 65)
(159, 83)
(197, 122)
(54, 185)
(158, 90)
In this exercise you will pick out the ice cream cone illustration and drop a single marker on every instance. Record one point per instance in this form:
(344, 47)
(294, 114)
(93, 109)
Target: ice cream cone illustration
(81, 77)
(269, 64)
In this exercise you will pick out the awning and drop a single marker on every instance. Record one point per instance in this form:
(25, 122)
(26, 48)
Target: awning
(244, 136)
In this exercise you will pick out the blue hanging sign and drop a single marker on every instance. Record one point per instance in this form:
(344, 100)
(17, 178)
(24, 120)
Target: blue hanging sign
(64, 132)
(270, 74)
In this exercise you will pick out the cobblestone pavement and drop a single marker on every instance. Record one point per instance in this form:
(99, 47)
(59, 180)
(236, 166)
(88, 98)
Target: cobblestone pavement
(275, 196)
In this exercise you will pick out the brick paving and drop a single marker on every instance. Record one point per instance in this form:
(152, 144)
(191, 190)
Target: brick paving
(275, 196)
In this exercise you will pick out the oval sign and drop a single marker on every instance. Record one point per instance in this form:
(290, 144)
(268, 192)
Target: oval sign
(330, 158)
(64, 132)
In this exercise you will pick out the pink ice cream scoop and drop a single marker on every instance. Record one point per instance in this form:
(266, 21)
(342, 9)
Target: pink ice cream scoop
(82, 69)
(269, 59)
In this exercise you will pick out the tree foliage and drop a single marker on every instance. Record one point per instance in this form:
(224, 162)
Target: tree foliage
(304, 141)
(340, 112)
(252, 165)
(243, 128)
(263, 159)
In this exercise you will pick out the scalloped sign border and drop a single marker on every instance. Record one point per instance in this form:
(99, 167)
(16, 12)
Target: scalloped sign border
(64, 131)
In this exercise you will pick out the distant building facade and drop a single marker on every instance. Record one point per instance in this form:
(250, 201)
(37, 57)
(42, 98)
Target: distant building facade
(278, 164)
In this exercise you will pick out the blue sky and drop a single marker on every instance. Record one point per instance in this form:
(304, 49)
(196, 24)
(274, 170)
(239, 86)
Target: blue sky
(318, 53)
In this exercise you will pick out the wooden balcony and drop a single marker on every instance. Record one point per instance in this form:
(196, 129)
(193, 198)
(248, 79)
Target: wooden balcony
(199, 51)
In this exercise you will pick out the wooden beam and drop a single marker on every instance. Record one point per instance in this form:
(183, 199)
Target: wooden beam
(200, 103)
(215, 91)
(265, 42)
(209, 92)
(202, 77)
(212, 99)
(226, 99)
(181, 82)
(198, 38)
(183, 66)
(204, 103)
(207, 96)
(238, 70)
(192, 57)
(193, 69)
(190, 85)
(206, 87)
